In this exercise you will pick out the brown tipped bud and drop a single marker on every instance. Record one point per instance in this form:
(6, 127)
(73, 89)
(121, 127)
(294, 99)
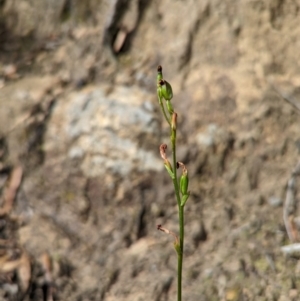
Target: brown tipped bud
(168, 166)
(184, 170)
(159, 68)
(176, 240)
(162, 229)
(184, 180)
(162, 150)
(174, 121)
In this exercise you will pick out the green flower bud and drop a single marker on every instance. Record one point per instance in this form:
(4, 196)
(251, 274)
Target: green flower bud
(184, 183)
(166, 89)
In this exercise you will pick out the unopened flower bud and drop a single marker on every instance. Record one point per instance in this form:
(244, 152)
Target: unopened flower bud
(167, 163)
(184, 183)
(166, 89)
(184, 180)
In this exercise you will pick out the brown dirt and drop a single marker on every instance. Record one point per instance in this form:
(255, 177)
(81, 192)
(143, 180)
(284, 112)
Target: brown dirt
(77, 229)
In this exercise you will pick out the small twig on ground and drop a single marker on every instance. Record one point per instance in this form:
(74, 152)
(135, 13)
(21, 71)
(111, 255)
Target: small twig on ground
(290, 100)
(291, 250)
(24, 272)
(289, 202)
(11, 190)
(47, 267)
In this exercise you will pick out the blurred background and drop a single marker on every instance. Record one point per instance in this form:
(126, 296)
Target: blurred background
(81, 180)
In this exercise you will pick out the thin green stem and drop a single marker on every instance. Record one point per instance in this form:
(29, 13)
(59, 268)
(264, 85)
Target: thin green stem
(164, 111)
(181, 216)
(180, 256)
(164, 91)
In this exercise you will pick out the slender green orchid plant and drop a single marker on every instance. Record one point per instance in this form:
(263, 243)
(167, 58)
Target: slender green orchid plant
(165, 94)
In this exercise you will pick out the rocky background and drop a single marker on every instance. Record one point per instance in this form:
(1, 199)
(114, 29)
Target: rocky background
(81, 180)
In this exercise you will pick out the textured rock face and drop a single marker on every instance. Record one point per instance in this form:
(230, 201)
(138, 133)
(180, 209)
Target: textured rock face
(113, 132)
(78, 110)
(44, 18)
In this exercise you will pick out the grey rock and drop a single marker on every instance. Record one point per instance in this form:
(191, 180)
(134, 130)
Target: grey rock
(275, 201)
(106, 131)
(212, 136)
